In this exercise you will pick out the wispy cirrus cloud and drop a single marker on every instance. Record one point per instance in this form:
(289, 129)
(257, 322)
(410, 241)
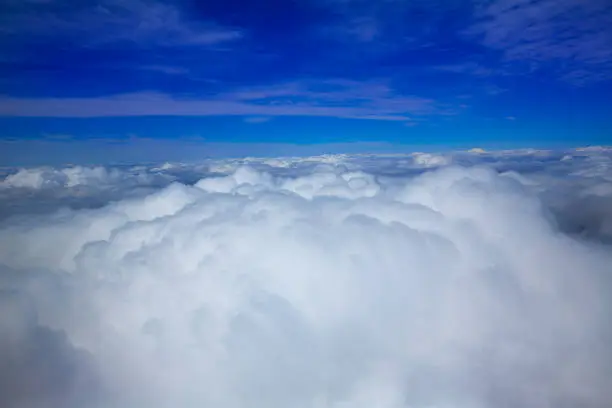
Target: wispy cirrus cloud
(257, 119)
(470, 67)
(107, 22)
(571, 37)
(332, 98)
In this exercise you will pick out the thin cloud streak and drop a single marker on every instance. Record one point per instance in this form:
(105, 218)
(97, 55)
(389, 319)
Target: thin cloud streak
(345, 99)
(109, 22)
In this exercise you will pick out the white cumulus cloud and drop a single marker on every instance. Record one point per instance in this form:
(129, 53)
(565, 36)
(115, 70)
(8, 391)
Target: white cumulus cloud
(327, 284)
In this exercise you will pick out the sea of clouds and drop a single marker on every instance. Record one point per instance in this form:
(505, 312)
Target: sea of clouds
(459, 280)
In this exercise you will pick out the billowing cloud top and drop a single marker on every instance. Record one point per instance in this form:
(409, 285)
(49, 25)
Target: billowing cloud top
(456, 280)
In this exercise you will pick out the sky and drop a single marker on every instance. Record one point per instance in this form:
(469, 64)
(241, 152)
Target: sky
(305, 203)
(236, 77)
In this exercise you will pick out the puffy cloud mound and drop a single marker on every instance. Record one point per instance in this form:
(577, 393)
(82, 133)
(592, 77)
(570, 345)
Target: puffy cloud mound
(430, 160)
(38, 178)
(46, 189)
(332, 288)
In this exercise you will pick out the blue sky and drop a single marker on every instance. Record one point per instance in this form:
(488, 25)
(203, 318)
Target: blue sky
(387, 73)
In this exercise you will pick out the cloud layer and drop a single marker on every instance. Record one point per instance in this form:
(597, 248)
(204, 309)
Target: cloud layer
(323, 282)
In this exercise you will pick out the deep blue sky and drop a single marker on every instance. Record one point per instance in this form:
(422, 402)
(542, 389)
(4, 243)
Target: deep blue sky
(392, 72)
